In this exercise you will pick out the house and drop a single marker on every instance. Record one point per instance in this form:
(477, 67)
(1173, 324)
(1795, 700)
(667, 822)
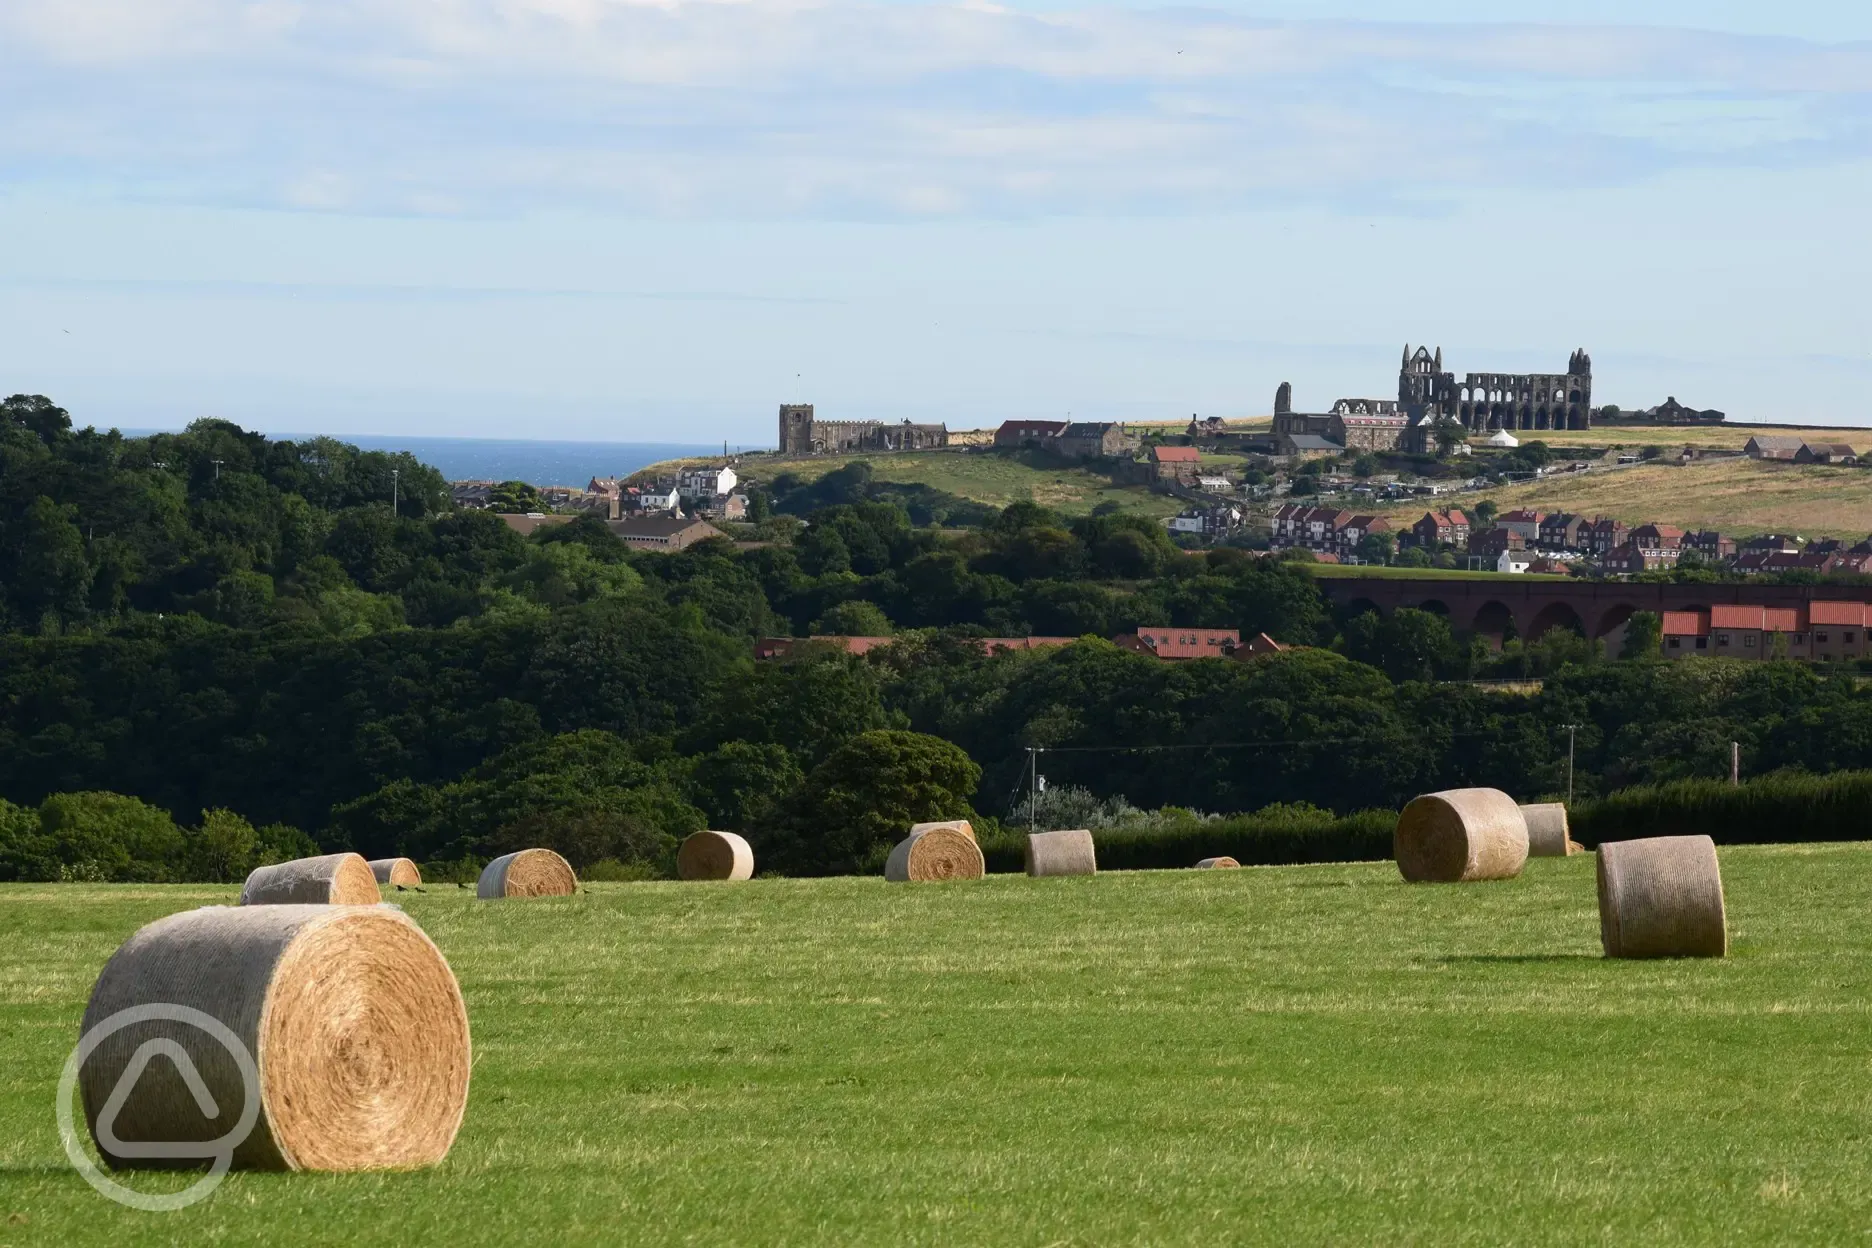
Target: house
(1710, 544)
(1490, 543)
(1256, 647)
(533, 522)
(1764, 561)
(1548, 566)
(1522, 521)
(1092, 440)
(673, 532)
(1657, 536)
(1839, 629)
(706, 483)
(1738, 632)
(1563, 531)
(1304, 446)
(1441, 528)
(1633, 557)
(1316, 528)
(1210, 522)
(1177, 464)
(1772, 446)
(1213, 427)
(1182, 643)
(1603, 536)
(728, 507)
(1685, 633)
(1215, 485)
(1826, 453)
(654, 498)
(474, 495)
(1375, 432)
(1357, 529)
(1515, 561)
(1013, 435)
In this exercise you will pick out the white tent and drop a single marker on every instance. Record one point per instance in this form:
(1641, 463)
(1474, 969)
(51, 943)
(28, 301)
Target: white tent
(1501, 437)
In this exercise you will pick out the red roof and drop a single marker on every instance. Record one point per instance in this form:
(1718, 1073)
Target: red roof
(1175, 454)
(1190, 643)
(1521, 516)
(1685, 624)
(1821, 614)
(1735, 617)
(1780, 619)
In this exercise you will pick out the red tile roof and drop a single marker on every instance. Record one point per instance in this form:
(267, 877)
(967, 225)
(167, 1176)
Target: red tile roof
(1175, 454)
(1824, 613)
(1735, 617)
(1190, 643)
(1780, 619)
(1685, 624)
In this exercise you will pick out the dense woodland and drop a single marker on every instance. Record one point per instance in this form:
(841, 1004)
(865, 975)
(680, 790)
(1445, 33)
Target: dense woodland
(245, 638)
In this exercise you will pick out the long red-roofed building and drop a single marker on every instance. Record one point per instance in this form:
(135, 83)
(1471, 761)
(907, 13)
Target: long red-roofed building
(1823, 630)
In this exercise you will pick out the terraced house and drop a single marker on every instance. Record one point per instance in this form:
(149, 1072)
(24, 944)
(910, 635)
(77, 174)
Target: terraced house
(1815, 630)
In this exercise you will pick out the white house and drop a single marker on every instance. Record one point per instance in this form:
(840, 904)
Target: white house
(1514, 561)
(707, 482)
(1215, 485)
(660, 498)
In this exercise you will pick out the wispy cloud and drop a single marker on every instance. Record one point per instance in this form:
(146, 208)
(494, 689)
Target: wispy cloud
(773, 109)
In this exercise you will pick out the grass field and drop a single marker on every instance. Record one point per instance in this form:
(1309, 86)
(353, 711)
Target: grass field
(1738, 496)
(1292, 1055)
(1339, 571)
(994, 479)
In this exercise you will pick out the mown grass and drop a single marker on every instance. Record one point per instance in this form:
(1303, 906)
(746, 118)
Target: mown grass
(1288, 1055)
(1735, 496)
(989, 478)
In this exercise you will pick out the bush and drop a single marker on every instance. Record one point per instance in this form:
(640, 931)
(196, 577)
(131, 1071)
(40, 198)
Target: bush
(1273, 836)
(1782, 808)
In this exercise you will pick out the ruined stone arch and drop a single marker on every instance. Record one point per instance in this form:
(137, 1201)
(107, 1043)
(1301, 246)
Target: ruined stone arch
(1495, 621)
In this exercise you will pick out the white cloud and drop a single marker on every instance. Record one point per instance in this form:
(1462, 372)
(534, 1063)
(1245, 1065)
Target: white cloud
(775, 108)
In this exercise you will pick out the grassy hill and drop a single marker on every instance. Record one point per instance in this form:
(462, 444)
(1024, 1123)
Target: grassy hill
(994, 479)
(1737, 496)
(1303, 1055)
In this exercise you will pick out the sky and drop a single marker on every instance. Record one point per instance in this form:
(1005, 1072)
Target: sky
(607, 219)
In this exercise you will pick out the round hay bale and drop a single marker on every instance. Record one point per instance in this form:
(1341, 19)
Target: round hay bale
(333, 880)
(352, 1022)
(1547, 832)
(1061, 853)
(528, 873)
(715, 856)
(941, 853)
(958, 825)
(1661, 897)
(396, 871)
(1212, 864)
(1460, 835)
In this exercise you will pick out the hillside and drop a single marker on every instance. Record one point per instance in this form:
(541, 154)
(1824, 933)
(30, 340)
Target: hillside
(1736, 496)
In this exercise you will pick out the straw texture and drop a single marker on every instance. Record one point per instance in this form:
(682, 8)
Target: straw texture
(1547, 833)
(352, 1015)
(529, 873)
(715, 856)
(396, 871)
(1061, 853)
(938, 853)
(1460, 835)
(958, 825)
(1211, 864)
(335, 879)
(1661, 897)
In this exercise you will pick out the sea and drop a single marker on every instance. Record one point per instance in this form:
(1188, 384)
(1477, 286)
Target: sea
(518, 459)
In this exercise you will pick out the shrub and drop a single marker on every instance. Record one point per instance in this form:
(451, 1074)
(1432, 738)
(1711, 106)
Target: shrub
(1781, 808)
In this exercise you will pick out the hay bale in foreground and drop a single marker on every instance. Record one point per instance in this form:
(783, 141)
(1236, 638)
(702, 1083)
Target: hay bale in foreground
(1212, 864)
(351, 1015)
(941, 852)
(715, 856)
(528, 873)
(1661, 897)
(1061, 853)
(958, 825)
(331, 880)
(1547, 832)
(1460, 835)
(396, 871)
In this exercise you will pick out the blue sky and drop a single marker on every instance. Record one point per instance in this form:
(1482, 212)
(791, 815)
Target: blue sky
(598, 219)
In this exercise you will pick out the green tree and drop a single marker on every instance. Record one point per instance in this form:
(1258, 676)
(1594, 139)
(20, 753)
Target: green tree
(863, 798)
(743, 785)
(1377, 548)
(107, 836)
(1484, 513)
(515, 498)
(1644, 633)
(221, 851)
(853, 618)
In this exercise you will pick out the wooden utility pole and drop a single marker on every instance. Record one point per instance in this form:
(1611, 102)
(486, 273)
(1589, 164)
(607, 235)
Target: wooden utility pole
(1735, 763)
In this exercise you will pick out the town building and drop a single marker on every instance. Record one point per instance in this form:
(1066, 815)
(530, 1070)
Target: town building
(1563, 531)
(1355, 530)
(706, 482)
(1821, 630)
(1210, 427)
(1710, 544)
(1441, 528)
(1207, 522)
(1015, 435)
(1826, 453)
(1634, 557)
(1605, 535)
(1182, 643)
(1657, 536)
(1175, 464)
(1523, 522)
(1087, 439)
(473, 495)
(1772, 446)
(1367, 431)
(673, 532)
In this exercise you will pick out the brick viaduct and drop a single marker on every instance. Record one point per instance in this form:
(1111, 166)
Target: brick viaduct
(1594, 608)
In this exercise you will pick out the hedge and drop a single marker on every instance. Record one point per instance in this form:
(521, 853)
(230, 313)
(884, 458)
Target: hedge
(1782, 808)
(1265, 839)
